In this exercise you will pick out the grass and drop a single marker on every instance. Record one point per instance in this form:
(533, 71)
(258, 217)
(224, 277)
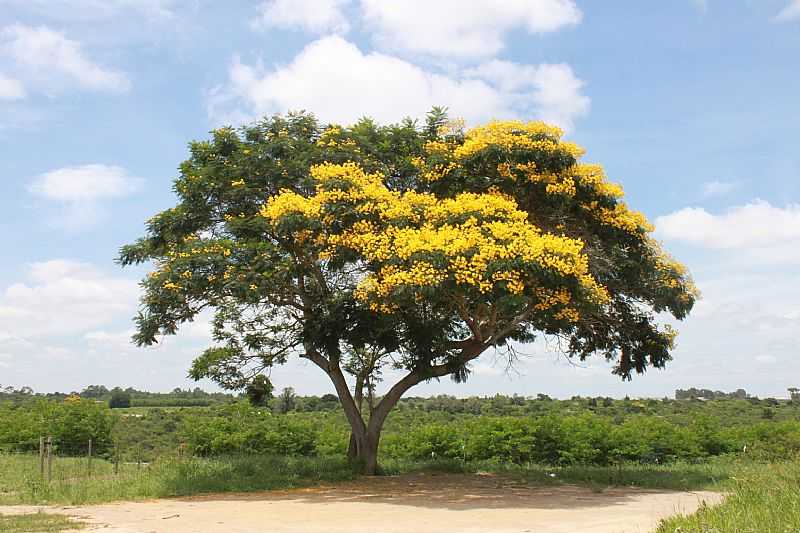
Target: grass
(20, 481)
(37, 523)
(712, 475)
(762, 499)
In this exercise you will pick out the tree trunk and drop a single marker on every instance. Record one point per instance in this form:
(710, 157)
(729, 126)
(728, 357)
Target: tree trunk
(358, 398)
(352, 448)
(364, 452)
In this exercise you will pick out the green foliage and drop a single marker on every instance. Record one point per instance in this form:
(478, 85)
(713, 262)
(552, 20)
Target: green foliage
(241, 428)
(259, 391)
(71, 423)
(509, 429)
(119, 399)
(762, 498)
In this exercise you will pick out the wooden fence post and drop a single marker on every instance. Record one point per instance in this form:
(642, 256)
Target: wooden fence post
(49, 458)
(41, 456)
(89, 462)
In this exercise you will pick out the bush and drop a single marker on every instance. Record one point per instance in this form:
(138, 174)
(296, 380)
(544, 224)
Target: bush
(119, 400)
(241, 428)
(71, 423)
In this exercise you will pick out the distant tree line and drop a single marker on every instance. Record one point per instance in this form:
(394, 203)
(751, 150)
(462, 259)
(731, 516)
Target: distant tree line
(261, 394)
(708, 394)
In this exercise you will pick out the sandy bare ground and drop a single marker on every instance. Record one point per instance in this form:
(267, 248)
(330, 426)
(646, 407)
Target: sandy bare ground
(419, 503)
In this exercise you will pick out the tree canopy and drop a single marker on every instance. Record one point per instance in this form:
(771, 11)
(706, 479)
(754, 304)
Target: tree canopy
(415, 247)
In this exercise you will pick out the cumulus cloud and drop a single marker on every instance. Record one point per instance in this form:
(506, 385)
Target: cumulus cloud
(80, 189)
(62, 296)
(755, 225)
(789, 13)
(462, 29)
(84, 183)
(746, 260)
(48, 59)
(313, 16)
(11, 89)
(550, 92)
(340, 83)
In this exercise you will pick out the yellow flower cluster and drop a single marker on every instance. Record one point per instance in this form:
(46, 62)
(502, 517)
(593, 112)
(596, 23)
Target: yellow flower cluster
(513, 134)
(472, 236)
(672, 273)
(595, 177)
(208, 249)
(237, 183)
(289, 202)
(436, 171)
(621, 218)
(568, 313)
(513, 279)
(548, 298)
(438, 147)
(328, 137)
(451, 127)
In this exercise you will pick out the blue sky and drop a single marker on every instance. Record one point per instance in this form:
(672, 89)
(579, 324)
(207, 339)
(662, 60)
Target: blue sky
(691, 105)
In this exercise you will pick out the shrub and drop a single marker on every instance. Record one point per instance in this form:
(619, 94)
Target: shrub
(241, 428)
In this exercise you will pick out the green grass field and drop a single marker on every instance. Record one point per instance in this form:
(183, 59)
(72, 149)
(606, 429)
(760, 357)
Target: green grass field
(761, 498)
(37, 523)
(20, 481)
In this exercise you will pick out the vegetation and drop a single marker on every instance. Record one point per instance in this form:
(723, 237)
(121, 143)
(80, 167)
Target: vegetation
(38, 523)
(598, 431)
(707, 394)
(761, 499)
(119, 400)
(724, 444)
(71, 423)
(418, 248)
(20, 481)
(259, 391)
(175, 398)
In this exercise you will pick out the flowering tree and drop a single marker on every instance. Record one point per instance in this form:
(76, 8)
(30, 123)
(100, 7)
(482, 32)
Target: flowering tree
(415, 248)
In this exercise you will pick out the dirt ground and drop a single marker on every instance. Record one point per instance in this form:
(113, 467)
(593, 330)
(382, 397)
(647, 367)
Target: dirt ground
(418, 503)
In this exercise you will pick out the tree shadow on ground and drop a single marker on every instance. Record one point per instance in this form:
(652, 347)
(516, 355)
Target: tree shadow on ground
(451, 491)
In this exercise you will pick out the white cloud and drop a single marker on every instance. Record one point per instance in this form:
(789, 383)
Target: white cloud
(313, 16)
(551, 92)
(80, 189)
(473, 28)
(85, 182)
(749, 315)
(718, 188)
(338, 82)
(756, 225)
(789, 13)
(47, 58)
(702, 5)
(11, 89)
(62, 296)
